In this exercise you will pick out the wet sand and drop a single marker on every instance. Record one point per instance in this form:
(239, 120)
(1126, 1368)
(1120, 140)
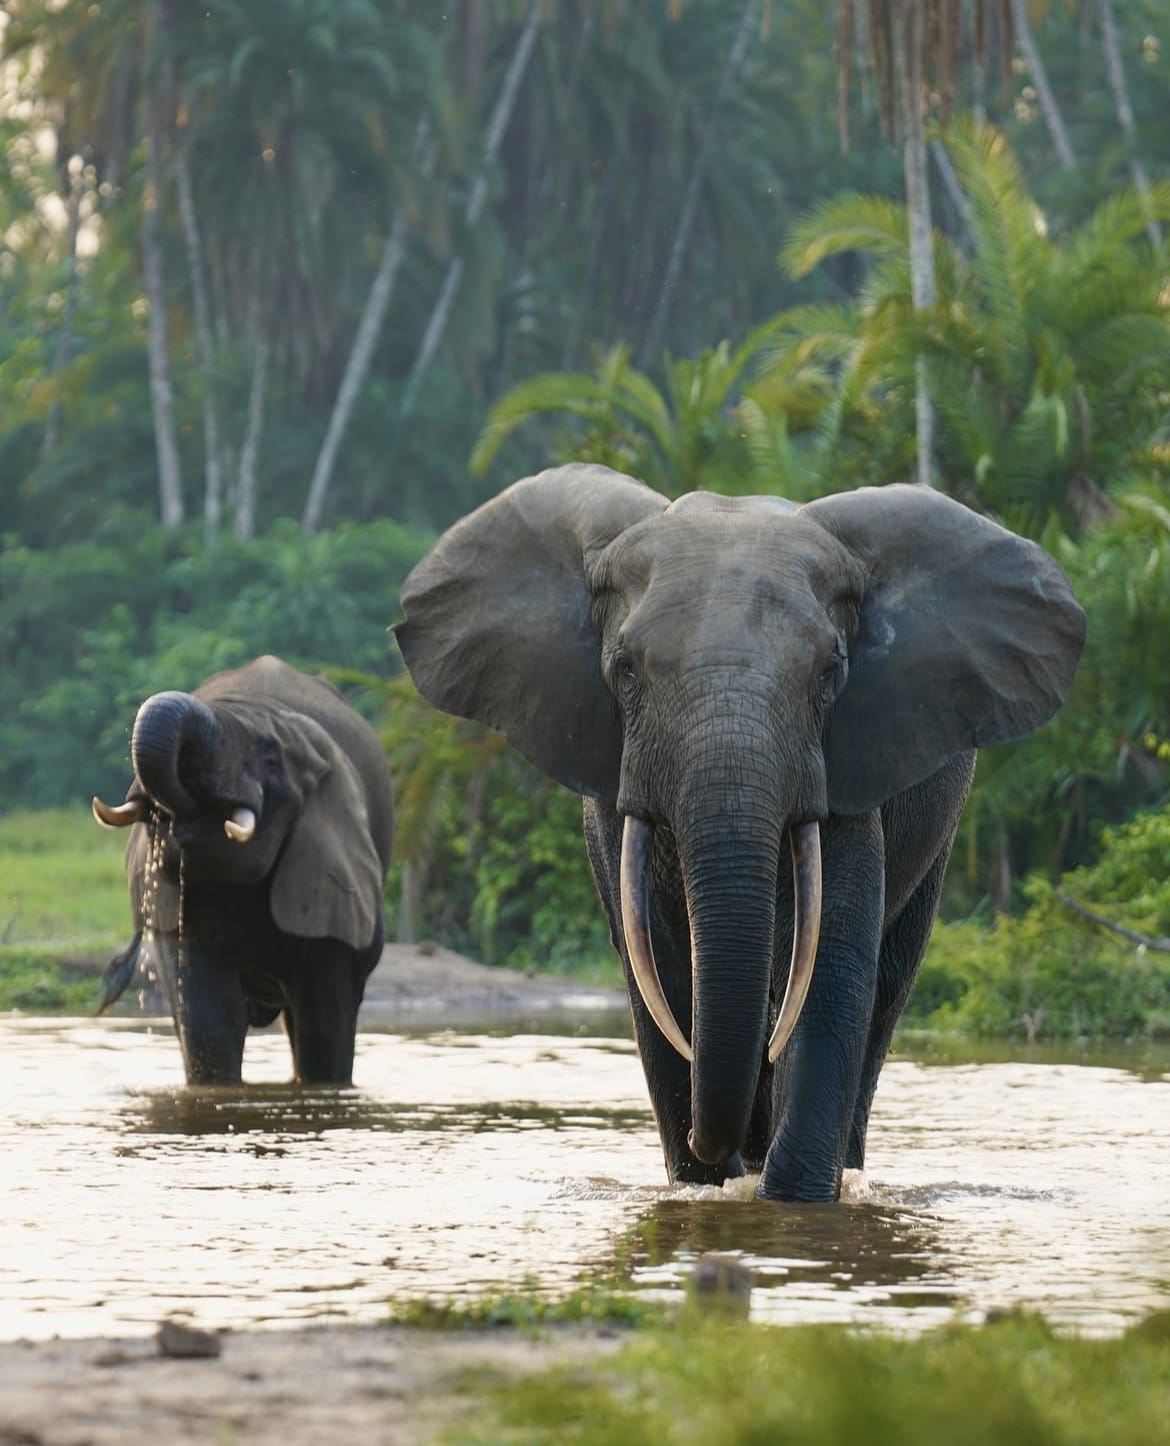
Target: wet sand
(268, 1388)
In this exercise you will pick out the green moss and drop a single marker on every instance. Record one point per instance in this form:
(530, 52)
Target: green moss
(593, 1305)
(719, 1384)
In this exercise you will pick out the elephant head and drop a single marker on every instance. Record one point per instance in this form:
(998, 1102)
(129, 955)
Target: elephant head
(735, 670)
(252, 789)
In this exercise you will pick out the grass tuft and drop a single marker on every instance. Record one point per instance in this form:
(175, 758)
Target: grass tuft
(721, 1384)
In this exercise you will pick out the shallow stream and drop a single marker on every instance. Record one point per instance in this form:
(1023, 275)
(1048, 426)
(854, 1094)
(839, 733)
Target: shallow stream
(469, 1163)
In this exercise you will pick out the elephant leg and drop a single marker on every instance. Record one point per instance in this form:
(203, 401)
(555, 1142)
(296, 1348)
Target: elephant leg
(901, 955)
(668, 1075)
(209, 1009)
(321, 1015)
(818, 1076)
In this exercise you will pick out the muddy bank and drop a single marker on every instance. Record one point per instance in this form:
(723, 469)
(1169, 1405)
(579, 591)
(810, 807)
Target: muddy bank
(426, 986)
(268, 1388)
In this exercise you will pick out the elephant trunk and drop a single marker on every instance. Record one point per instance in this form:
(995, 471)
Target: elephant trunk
(166, 725)
(729, 872)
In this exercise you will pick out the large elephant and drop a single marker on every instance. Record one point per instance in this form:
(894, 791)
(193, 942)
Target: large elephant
(715, 675)
(262, 820)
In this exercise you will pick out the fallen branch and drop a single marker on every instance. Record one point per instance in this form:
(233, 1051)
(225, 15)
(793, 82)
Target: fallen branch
(1160, 945)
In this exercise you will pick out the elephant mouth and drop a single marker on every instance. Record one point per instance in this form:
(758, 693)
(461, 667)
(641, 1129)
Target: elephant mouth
(637, 845)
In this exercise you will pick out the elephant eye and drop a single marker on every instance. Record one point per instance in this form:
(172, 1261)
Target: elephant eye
(832, 679)
(625, 675)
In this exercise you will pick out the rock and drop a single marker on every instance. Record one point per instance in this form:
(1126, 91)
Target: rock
(721, 1285)
(187, 1342)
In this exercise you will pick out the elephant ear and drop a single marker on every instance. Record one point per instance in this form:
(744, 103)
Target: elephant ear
(163, 909)
(328, 878)
(968, 636)
(499, 622)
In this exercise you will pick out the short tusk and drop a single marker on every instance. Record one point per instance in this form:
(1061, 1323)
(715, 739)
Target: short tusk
(241, 826)
(121, 816)
(637, 841)
(806, 931)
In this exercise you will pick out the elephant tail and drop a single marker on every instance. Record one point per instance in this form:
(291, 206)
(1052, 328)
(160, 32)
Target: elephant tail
(118, 974)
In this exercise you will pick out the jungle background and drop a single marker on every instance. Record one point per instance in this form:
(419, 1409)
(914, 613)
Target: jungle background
(286, 286)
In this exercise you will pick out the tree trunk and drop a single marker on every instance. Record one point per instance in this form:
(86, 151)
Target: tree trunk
(212, 476)
(1051, 112)
(441, 313)
(909, 42)
(65, 333)
(1117, 84)
(250, 450)
(682, 239)
(170, 479)
(356, 369)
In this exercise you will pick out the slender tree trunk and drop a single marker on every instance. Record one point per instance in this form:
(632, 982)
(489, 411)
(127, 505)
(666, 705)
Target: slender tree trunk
(65, 333)
(1022, 25)
(245, 520)
(170, 479)
(441, 313)
(250, 451)
(1117, 84)
(682, 238)
(909, 41)
(212, 476)
(950, 180)
(356, 369)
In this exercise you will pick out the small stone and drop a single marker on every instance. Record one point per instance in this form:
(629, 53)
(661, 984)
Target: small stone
(721, 1284)
(187, 1342)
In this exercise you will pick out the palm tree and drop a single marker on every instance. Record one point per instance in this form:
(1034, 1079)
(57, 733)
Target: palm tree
(707, 429)
(652, 341)
(105, 68)
(293, 118)
(501, 115)
(1049, 356)
(912, 48)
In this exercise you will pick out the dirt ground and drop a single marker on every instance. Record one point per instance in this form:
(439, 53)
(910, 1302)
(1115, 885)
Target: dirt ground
(425, 986)
(425, 981)
(337, 1384)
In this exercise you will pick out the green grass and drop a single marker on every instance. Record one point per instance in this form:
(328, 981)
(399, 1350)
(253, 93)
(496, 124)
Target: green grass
(717, 1384)
(528, 1310)
(62, 897)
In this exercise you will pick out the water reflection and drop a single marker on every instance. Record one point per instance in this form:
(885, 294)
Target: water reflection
(289, 1110)
(467, 1164)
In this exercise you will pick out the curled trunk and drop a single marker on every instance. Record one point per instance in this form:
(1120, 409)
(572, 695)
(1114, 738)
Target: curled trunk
(167, 724)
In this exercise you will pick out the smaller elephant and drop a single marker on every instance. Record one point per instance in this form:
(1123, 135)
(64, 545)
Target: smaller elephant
(261, 818)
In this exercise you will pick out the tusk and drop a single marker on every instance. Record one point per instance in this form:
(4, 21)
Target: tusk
(806, 931)
(121, 816)
(637, 841)
(241, 826)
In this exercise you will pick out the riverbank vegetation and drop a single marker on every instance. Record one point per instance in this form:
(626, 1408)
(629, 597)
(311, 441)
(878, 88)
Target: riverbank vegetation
(715, 1382)
(284, 290)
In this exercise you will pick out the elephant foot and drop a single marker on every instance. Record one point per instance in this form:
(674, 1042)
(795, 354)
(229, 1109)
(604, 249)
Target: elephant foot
(799, 1178)
(693, 1172)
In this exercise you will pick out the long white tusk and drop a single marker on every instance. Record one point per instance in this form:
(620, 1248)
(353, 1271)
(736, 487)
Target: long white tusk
(806, 931)
(121, 815)
(241, 826)
(637, 841)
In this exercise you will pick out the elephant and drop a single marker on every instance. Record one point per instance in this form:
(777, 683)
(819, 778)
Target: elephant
(261, 818)
(716, 675)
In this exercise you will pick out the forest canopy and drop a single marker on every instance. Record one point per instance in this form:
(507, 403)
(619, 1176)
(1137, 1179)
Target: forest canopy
(286, 286)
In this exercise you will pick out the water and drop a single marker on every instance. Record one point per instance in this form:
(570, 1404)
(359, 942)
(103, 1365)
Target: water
(468, 1163)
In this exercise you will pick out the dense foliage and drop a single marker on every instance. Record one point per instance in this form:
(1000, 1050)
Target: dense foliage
(269, 268)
